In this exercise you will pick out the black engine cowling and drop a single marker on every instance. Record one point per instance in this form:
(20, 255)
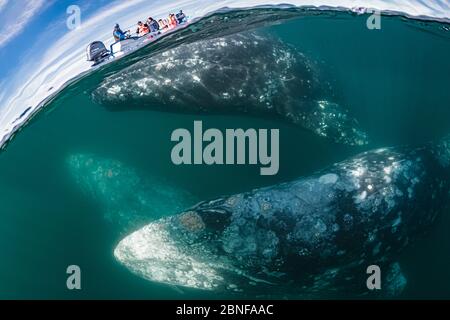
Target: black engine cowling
(96, 51)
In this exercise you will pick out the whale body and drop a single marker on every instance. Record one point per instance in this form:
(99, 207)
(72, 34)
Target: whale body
(313, 236)
(242, 73)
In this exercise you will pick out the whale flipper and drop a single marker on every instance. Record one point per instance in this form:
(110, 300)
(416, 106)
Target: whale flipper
(329, 120)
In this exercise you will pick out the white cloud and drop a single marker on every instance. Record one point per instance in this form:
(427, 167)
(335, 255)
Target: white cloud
(3, 4)
(16, 24)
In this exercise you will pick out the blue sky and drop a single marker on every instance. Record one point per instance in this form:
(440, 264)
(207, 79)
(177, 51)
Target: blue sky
(39, 52)
(23, 21)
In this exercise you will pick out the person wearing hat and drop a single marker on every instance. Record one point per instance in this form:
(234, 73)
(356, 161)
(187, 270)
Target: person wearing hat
(118, 34)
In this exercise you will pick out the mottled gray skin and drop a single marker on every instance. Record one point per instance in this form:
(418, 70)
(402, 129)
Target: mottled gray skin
(313, 236)
(241, 73)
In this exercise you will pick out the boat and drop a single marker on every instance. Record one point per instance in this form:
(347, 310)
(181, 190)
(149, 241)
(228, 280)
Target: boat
(98, 53)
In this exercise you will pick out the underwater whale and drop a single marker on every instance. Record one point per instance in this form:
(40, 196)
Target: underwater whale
(128, 200)
(242, 73)
(316, 235)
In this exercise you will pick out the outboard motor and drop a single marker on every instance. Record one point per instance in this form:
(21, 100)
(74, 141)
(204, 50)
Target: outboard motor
(96, 52)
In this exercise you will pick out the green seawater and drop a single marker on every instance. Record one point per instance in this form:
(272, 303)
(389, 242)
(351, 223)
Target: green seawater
(395, 81)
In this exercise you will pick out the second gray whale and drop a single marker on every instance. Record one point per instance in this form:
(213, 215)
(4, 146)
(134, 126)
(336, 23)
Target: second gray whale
(311, 237)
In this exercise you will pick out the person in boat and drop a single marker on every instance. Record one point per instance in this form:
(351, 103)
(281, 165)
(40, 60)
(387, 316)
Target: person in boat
(172, 21)
(153, 24)
(180, 16)
(142, 29)
(118, 34)
(162, 24)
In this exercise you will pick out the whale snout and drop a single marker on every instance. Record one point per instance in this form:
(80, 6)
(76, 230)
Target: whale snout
(155, 253)
(185, 250)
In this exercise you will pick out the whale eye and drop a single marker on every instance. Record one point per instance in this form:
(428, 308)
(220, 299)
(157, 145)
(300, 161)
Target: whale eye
(215, 219)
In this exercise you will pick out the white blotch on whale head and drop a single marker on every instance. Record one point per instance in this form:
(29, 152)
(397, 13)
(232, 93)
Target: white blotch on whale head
(113, 90)
(142, 83)
(361, 197)
(358, 172)
(329, 178)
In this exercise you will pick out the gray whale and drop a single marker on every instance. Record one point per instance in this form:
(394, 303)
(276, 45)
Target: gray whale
(242, 73)
(316, 235)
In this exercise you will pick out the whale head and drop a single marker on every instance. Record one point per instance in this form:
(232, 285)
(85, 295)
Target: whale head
(185, 250)
(168, 251)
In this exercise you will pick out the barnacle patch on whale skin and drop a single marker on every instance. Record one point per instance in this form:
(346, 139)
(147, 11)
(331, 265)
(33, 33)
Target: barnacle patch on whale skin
(231, 201)
(330, 178)
(265, 206)
(191, 221)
